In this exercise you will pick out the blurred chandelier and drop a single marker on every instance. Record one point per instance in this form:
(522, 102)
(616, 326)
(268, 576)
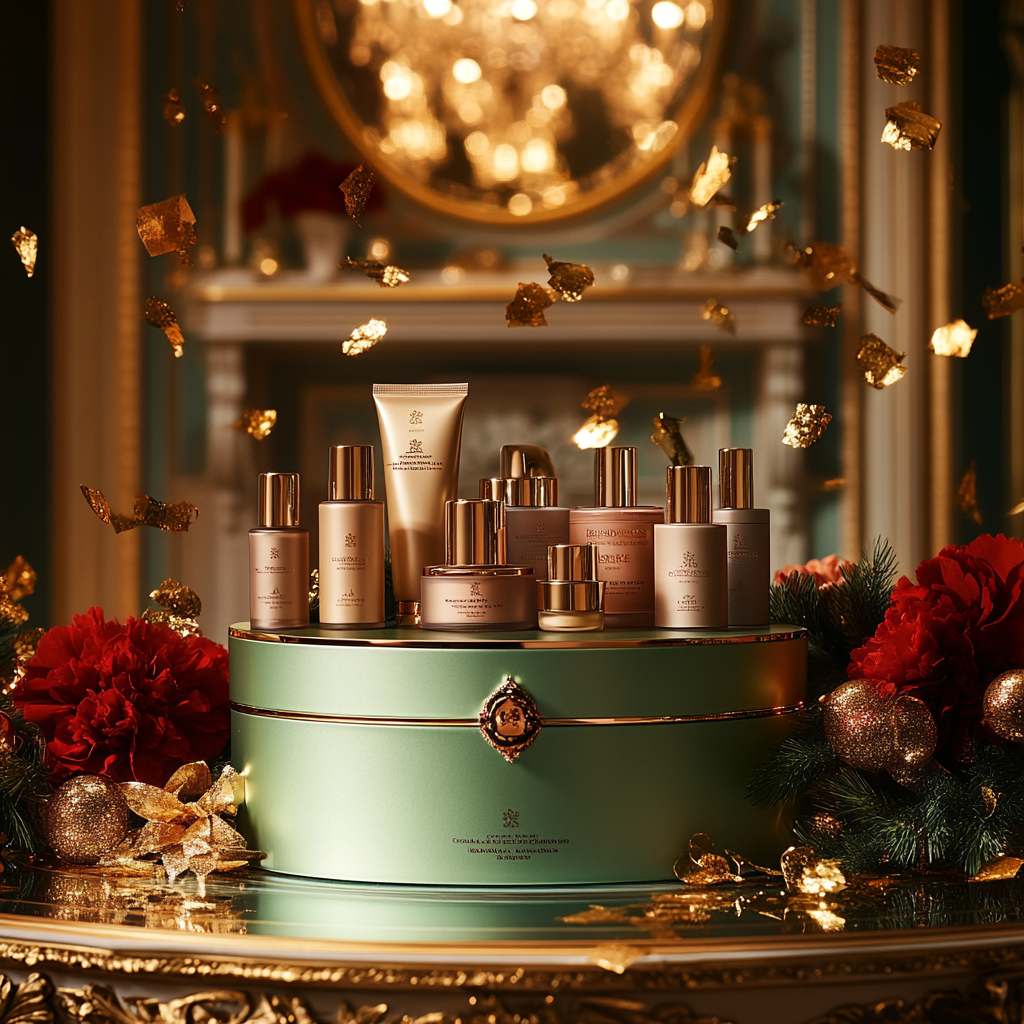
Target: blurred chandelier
(524, 108)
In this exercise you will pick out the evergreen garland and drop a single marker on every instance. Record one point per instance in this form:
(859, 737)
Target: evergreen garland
(957, 818)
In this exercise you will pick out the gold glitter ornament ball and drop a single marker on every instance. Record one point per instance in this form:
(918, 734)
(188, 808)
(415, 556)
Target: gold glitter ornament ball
(1003, 705)
(85, 818)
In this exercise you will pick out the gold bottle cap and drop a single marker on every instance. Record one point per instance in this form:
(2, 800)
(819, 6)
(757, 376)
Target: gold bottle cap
(524, 460)
(494, 488)
(350, 472)
(736, 477)
(615, 477)
(474, 532)
(688, 494)
(572, 585)
(541, 491)
(278, 502)
(572, 562)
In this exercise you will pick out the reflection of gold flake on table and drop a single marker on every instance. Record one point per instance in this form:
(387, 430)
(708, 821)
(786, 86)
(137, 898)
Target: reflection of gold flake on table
(806, 426)
(569, 280)
(909, 127)
(896, 65)
(821, 316)
(616, 957)
(527, 308)
(763, 213)
(711, 176)
(967, 494)
(717, 313)
(159, 314)
(954, 339)
(364, 337)
(880, 363)
(26, 243)
(1003, 301)
(356, 189)
(257, 423)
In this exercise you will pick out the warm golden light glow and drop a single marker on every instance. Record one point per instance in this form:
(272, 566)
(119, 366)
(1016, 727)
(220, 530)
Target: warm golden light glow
(520, 204)
(523, 10)
(666, 14)
(466, 70)
(437, 8)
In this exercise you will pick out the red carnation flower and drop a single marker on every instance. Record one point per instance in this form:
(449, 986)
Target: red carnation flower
(131, 702)
(946, 637)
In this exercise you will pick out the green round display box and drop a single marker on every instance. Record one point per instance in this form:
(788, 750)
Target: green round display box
(532, 758)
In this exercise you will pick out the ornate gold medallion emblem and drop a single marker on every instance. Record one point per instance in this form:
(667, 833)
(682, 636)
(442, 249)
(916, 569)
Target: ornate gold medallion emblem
(509, 719)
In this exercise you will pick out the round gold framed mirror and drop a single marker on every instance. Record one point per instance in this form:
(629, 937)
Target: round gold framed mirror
(515, 111)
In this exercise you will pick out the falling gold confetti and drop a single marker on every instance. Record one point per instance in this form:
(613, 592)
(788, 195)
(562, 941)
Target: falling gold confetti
(26, 244)
(827, 265)
(954, 339)
(722, 200)
(721, 315)
(1003, 301)
(257, 423)
(879, 296)
(821, 316)
(896, 65)
(364, 337)
(766, 212)
(569, 280)
(179, 608)
(159, 314)
(177, 517)
(881, 364)
(668, 437)
(836, 483)
(603, 402)
(1017, 509)
(967, 494)
(168, 227)
(386, 275)
(174, 112)
(726, 237)
(711, 176)
(209, 97)
(596, 433)
(909, 127)
(806, 426)
(527, 308)
(356, 189)
(704, 379)
(19, 579)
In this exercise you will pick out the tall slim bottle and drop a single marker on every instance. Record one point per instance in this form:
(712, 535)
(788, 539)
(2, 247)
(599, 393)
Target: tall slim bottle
(351, 542)
(748, 541)
(691, 571)
(278, 557)
(624, 534)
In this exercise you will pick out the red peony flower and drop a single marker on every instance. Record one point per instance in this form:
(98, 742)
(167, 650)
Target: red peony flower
(826, 571)
(131, 702)
(946, 637)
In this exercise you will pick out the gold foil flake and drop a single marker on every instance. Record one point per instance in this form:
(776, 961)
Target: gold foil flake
(701, 866)
(886, 301)
(568, 280)
(174, 112)
(257, 423)
(616, 957)
(896, 65)
(881, 364)
(364, 337)
(603, 402)
(1003, 301)
(998, 869)
(763, 213)
(168, 227)
(668, 437)
(527, 308)
(909, 127)
(821, 316)
(836, 483)
(98, 503)
(954, 339)
(806, 426)
(989, 801)
(26, 244)
(1017, 509)
(159, 314)
(967, 494)
(711, 176)
(356, 189)
(722, 200)
(19, 579)
(386, 275)
(704, 379)
(723, 316)
(726, 237)
(596, 433)
(177, 517)
(180, 608)
(209, 97)
(810, 875)
(314, 589)
(826, 264)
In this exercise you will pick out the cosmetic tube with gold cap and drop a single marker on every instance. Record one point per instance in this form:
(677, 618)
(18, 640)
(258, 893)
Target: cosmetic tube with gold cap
(690, 569)
(570, 600)
(351, 542)
(278, 557)
(475, 590)
(748, 539)
(624, 534)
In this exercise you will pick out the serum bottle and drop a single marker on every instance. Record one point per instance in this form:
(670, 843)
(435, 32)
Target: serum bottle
(690, 567)
(278, 557)
(624, 534)
(351, 543)
(569, 600)
(748, 543)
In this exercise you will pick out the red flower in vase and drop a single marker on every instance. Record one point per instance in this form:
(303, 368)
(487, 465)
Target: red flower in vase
(948, 635)
(131, 702)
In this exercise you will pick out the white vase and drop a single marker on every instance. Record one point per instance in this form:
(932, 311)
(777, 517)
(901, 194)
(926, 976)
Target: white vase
(323, 238)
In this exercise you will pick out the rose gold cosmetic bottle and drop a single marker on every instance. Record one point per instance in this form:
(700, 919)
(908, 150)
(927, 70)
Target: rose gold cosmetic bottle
(749, 538)
(624, 534)
(691, 573)
(475, 589)
(278, 557)
(351, 543)
(570, 599)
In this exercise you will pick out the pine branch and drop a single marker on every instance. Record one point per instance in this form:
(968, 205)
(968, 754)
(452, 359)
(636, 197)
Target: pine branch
(793, 767)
